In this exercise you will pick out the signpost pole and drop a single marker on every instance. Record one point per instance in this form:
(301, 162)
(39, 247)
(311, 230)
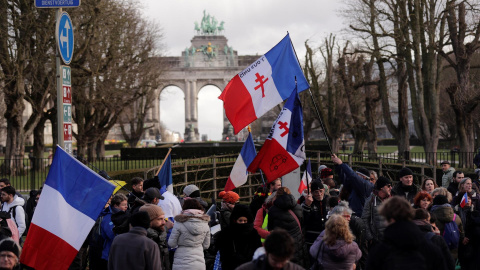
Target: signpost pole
(59, 91)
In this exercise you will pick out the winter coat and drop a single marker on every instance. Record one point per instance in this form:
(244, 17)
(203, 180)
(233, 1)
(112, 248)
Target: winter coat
(374, 222)
(262, 264)
(408, 193)
(134, 251)
(237, 245)
(19, 217)
(358, 187)
(224, 218)
(437, 240)
(260, 220)
(447, 177)
(279, 216)
(191, 235)
(444, 214)
(314, 217)
(160, 238)
(405, 247)
(106, 229)
(341, 255)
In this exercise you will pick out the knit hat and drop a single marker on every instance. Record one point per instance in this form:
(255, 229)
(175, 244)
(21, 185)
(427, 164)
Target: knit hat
(152, 193)
(326, 173)
(241, 210)
(229, 197)
(321, 167)
(316, 185)
(153, 210)
(10, 245)
(188, 190)
(404, 171)
(440, 200)
(140, 219)
(381, 182)
(364, 172)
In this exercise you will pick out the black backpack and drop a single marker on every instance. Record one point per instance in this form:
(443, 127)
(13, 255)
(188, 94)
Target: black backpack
(95, 237)
(13, 213)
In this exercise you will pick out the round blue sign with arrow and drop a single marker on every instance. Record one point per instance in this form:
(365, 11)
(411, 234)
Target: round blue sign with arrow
(64, 36)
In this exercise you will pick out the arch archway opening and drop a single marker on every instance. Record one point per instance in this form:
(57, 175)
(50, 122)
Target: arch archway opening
(210, 113)
(172, 114)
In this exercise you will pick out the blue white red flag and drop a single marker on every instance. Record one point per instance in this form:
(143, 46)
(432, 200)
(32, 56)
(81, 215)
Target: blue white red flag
(239, 173)
(72, 198)
(464, 200)
(284, 149)
(263, 85)
(165, 175)
(306, 179)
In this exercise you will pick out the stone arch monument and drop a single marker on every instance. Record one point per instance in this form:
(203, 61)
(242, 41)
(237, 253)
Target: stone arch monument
(207, 61)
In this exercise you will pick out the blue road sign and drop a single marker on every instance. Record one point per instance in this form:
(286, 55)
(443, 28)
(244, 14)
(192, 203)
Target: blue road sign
(64, 36)
(56, 3)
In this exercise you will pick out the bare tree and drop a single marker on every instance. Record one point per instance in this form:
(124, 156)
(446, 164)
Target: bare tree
(464, 33)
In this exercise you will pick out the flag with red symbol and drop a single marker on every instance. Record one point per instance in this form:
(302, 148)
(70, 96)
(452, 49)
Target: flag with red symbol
(263, 85)
(284, 148)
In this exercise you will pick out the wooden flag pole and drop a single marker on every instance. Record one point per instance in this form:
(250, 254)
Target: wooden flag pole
(163, 162)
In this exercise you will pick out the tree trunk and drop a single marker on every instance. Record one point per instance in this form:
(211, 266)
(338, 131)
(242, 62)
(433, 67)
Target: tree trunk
(39, 144)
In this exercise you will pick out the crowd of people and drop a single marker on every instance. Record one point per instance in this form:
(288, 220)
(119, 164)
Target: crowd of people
(345, 219)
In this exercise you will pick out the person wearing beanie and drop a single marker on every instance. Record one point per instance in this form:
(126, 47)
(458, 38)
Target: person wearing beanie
(405, 188)
(9, 254)
(192, 191)
(444, 214)
(157, 231)
(355, 183)
(229, 199)
(241, 236)
(314, 211)
(190, 235)
(374, 222)
(134, 250)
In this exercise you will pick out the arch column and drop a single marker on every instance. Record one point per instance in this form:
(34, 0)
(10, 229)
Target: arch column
(191, 122)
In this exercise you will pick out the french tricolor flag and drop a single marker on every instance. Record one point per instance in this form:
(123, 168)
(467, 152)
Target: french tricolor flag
(284, 149)
(72, 198)
(239, 174)
(263, 85)
(306, 179)
(464, 200)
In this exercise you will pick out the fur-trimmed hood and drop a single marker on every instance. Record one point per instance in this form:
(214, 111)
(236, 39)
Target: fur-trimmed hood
(184, 218)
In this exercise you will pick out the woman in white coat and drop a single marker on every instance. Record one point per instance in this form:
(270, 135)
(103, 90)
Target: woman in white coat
(190, 235)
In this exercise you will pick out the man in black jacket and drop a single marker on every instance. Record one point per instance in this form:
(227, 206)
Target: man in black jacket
(314, 212)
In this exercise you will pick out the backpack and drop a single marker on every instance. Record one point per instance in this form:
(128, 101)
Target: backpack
(13, 213)
(95, 237)
(451, 234)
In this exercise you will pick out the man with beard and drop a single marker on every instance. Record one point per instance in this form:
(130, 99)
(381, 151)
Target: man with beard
(157, 231)
(405, 188)
(314, 212)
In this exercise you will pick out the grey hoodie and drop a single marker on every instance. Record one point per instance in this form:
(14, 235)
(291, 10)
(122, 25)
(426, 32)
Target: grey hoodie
(340, 255)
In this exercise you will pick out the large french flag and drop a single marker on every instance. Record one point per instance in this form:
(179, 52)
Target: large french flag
(239, 174)
(263, 85)
(284, 149)
(72, 198)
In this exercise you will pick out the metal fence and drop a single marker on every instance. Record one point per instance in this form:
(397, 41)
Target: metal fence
(212, 172)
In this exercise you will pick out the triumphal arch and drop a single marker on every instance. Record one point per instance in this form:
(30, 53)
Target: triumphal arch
(208, 60)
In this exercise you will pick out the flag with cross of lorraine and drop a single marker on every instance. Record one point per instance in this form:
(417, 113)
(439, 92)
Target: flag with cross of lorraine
(263, 85)
(284, 149)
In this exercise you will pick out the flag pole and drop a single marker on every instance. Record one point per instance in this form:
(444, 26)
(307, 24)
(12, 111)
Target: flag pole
(308, 188)
(163, 162)
(314, 104)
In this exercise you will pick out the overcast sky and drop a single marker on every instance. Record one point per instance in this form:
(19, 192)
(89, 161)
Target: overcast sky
(251, 27)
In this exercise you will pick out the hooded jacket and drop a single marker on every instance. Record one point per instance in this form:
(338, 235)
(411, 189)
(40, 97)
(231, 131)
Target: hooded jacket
(374, 222)
(279, 216)
(341, 255)
(19, 217)
(191, 235)
(444, 214)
